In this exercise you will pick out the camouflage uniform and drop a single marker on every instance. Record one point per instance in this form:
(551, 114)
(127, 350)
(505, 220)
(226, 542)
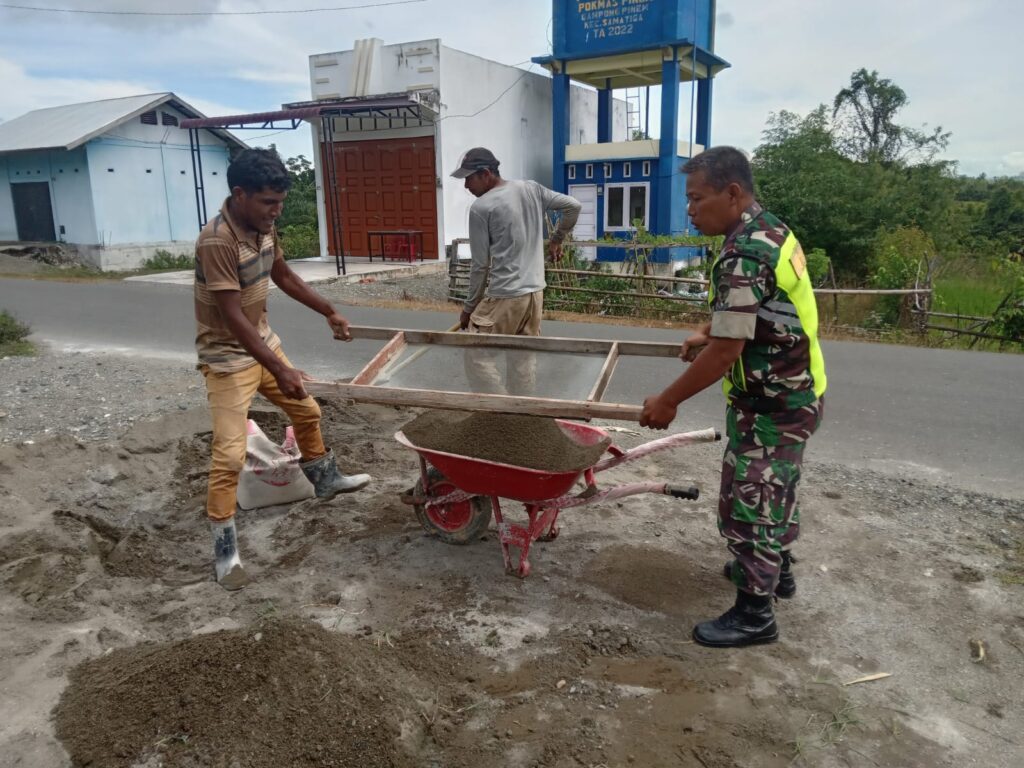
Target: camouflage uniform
(774, 399)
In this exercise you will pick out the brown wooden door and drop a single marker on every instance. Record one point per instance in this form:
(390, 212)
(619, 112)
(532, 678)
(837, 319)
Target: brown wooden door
(383, 184)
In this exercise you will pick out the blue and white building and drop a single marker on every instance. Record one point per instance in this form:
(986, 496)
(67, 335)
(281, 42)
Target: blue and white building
(114, 179)
(615, 45)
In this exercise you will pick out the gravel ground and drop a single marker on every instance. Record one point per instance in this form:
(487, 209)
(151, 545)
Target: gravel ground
(96, 397)
(92, 396)
(427, 289)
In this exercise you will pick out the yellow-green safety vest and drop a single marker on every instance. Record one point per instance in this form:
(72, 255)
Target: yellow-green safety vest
(791, 276)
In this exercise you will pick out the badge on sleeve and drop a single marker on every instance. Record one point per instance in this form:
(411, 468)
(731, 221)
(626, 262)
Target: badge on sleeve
(799, 261)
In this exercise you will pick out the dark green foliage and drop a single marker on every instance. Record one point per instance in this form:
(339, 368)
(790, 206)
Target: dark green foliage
(864, 115)
(839, 177)
(898, 258)
(13, 336)
(170, 261)
(298, 226)
(818, 264)
(1009, 318)
(300, 241)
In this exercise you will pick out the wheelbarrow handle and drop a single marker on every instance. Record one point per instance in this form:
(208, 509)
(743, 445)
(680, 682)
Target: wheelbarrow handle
(662, 444)
(692, 493)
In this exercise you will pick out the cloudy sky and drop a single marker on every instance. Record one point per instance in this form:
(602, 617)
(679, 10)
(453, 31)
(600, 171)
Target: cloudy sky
(958, 60)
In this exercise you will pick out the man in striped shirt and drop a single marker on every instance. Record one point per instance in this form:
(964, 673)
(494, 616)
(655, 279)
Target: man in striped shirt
(237, 254)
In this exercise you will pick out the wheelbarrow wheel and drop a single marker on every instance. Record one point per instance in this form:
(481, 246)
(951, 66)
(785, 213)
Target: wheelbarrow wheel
(458, 523)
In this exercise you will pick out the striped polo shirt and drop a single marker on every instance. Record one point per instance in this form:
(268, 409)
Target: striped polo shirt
(231, 258)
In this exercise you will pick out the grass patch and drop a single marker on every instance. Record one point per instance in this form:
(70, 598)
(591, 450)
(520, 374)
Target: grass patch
(1013, 572)
(977, 295)
(163, 261)
(83, 274)
(14, 336)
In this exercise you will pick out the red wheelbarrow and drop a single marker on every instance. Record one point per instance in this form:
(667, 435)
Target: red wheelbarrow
(456, 495)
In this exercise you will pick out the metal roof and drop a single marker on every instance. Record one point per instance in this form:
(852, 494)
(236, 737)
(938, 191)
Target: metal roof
(72, 125)
(362, 106)
(634, 69)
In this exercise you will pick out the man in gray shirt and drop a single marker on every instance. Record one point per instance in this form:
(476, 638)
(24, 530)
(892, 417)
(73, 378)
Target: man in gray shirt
(506, 240)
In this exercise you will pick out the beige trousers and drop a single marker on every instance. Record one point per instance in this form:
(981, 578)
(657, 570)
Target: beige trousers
(519, 316)
(230, 395)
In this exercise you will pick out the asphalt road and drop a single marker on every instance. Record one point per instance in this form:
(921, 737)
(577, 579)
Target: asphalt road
(952, 417)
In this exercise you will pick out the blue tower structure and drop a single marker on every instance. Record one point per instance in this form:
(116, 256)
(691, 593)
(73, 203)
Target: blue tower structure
(621, 44)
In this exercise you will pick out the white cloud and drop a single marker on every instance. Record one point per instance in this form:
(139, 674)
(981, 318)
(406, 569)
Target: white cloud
(295, 78)
(1014, 161)
(786, 54)
(22, 92)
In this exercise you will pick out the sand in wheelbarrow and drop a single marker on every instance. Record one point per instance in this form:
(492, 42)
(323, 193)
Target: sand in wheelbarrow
(282, 693)
(536, 442)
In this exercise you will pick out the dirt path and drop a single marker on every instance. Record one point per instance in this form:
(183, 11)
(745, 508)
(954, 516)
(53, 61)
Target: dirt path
(103, 550)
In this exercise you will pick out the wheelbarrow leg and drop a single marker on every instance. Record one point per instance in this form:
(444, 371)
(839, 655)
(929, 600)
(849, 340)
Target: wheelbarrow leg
(527, 536)
(553, 529)
(503, 534)
(542, 527)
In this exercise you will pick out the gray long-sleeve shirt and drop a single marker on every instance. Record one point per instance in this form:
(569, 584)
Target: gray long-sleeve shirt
(506, 239)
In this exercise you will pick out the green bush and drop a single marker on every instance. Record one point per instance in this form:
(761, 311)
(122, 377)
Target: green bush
(898, 256)
(13, 336)
(300, 241)
(167, 260)
(1009, 320)
(818, 265)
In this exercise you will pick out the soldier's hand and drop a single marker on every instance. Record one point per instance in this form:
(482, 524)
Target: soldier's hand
(657, 413)
(464, 320)
(693, 346)
(554, 251)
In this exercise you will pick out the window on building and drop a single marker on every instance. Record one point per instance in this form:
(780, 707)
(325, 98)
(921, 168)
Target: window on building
(647, 168)
(572, 172)
(166, 119)
(607, 170)
(588, 172)
(627, 169)
(148, 118)
(625, 204)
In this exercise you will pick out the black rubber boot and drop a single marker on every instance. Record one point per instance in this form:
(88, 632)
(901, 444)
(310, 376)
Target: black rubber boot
(786, 587)
(749, 622)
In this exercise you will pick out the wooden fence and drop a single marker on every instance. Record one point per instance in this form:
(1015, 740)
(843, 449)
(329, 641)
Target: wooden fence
(652, 295)
(658, 296)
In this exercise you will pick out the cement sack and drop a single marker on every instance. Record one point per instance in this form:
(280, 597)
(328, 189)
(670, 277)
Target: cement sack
(272, 474)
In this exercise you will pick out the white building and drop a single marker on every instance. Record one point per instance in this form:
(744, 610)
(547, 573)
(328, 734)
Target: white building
(392, 170)
(113, 178)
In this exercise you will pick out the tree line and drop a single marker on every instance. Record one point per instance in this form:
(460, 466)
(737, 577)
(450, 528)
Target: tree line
(847, 174)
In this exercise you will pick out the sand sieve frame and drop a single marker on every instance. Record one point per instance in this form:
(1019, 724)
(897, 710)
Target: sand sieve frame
(375, 382)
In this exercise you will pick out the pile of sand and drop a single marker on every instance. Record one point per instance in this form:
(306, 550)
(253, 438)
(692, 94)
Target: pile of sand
(536, 442)
(285, 693)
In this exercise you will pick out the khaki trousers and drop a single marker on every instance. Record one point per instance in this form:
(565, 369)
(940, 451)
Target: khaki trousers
(518, 316)
(229, 396)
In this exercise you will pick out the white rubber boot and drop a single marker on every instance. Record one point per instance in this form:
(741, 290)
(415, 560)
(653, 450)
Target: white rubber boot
(230, 573)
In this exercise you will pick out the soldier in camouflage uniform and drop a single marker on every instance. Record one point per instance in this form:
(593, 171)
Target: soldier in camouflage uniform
(762, 340)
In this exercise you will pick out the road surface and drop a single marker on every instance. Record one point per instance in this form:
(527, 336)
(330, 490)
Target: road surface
(947, 416)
